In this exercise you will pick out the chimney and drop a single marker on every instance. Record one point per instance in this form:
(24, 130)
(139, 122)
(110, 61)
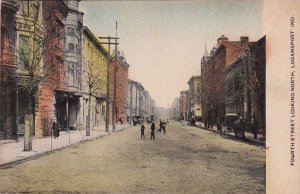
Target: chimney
(244, 39)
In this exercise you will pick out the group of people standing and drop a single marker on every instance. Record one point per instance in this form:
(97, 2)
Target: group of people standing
(162, 126)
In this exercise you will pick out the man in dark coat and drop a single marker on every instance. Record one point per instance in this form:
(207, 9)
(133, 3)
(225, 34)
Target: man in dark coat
(163, 126)
(152, 130)
(142, 131)
(160, 125)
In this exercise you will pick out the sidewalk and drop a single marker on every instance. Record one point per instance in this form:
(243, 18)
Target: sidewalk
(249, 136)
(11, 152)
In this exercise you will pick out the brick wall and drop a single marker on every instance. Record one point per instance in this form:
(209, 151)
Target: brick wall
(118, 76)
(54, 15)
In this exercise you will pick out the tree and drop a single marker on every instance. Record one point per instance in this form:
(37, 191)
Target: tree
(95, 80)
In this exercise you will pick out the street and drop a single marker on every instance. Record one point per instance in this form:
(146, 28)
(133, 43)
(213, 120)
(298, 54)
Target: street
(185, 160)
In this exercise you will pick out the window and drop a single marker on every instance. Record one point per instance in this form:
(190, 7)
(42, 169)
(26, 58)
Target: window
(73, 74)
(237, 83)
(35, 10)
(71, 47)
(24, 8)
(70, 31)
(24, 51)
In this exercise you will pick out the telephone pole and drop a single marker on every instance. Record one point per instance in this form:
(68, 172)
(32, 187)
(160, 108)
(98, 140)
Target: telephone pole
(109, 43)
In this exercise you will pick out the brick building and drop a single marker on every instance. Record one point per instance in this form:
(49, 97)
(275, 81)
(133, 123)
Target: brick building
(213, 77)
(8, 94)
(245, 86)
(118, 80)
(52, 91)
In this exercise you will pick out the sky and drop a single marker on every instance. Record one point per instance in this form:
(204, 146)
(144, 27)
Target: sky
(163, 41)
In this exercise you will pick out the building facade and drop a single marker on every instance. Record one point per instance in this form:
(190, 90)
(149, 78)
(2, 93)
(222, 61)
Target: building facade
(257, 60)
(140, 104)
(175, 110)
(132, 105)
(213, 77)
(29, 59)
(195, 97)
(183, 105)
(8, 63)
(118, 80)
(245, 86)
(72, 66)
(53, 88)
(95, 66)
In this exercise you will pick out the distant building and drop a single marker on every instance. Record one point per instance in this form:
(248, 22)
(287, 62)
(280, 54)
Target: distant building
(175, 109)
(139, 102)
(132, 100)
(183, 105)
(195, 97)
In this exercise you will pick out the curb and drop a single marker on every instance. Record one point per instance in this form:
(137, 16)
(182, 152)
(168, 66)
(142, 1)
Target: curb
(39, 155)
(247, 140)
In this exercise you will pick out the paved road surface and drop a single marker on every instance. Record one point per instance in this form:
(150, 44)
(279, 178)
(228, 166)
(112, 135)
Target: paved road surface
(185, 160)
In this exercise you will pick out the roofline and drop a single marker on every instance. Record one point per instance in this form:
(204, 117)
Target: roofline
(90, 35)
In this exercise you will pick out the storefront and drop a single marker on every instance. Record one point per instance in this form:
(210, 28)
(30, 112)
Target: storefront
(67, 109)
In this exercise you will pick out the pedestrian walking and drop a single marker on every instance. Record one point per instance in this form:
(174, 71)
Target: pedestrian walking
(163, 126)
(142, 131)
(152, 130)
(219, 125)
(160, 125)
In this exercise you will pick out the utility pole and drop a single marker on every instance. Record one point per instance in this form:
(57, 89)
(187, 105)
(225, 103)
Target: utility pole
(109, 42)
(131, 98)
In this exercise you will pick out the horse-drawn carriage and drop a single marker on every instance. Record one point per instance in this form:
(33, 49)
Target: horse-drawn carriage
(233, 124)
